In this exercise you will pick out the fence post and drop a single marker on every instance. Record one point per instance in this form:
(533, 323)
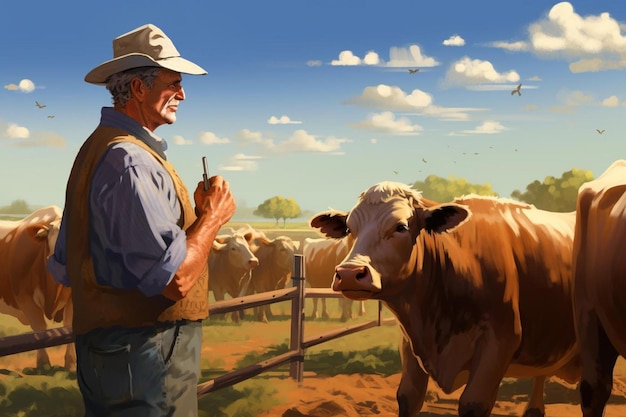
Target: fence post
(296, 368)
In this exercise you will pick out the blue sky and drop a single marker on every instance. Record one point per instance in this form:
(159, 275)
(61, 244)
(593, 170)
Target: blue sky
(313, 99)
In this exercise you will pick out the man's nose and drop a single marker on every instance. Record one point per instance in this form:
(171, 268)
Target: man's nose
(180, 95)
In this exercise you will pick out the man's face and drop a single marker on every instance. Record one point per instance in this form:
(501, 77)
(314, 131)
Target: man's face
(161, 101)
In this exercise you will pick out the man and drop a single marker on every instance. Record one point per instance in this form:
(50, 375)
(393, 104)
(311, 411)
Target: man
(130, 245)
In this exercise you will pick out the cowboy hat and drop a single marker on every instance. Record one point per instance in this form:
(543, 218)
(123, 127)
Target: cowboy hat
(146, 46)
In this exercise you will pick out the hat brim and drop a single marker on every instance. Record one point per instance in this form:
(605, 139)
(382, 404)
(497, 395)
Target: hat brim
(100, 74)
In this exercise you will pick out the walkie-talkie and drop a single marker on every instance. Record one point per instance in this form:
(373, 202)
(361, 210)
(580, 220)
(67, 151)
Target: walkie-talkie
(205, 175)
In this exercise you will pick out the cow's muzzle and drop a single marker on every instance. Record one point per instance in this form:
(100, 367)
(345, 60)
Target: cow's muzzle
(355, 282)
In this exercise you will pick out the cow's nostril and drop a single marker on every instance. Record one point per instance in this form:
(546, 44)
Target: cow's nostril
(361, 274)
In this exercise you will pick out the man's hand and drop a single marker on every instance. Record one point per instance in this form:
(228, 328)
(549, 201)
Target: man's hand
(217, 202)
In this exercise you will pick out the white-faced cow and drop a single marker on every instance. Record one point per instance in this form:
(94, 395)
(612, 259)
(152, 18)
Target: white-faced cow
(480, 287)
(321, 255)
(600, 283)
(275, 267)
(231, 262)
(27, 290)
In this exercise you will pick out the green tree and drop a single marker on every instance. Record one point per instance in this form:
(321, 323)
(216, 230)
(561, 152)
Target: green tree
(278, 207)
(555, 194)
(442, 190)
(16, 207)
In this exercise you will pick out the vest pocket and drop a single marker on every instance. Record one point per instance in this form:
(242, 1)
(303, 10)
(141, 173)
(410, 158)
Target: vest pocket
(112, 369)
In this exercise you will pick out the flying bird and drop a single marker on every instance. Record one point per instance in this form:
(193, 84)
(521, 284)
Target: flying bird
(423, 160)
(41, 106)
(517, 90)
(395, 172)
(600, 131)
(51, 116)
(413, 70)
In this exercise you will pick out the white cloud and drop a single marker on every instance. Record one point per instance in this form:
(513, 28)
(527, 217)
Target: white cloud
(589, 43)
(576, 99)
(14, 131)
(179, 140)
(454, 40)
(347, 58)
(210, 138)
(391, 98)
(301, 141)
(409, 57)
(612, 101)
(488, 127)
(25, 86)
(240, 162)
(42, 140)
(373, 141)
(386, 122)
(313, 63)
(467, 71)
(282, 120)
(247, 137)
(511, 46)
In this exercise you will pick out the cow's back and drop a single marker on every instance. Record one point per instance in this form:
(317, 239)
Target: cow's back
(321, 256)
(600, 264)
(23, 256)
(529, 252)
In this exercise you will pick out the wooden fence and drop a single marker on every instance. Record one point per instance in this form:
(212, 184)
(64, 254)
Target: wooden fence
(10, 345)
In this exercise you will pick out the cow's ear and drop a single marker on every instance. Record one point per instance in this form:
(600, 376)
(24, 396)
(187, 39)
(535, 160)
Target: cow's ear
(445, 217)
(41, 232)
(296, 244)
(218, 246)
(331, 223)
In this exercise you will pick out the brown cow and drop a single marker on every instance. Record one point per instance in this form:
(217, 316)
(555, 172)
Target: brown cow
(600, 283)
(27, 290)
(275, 267)
(320, 257)
(477, 298)
(231, 262)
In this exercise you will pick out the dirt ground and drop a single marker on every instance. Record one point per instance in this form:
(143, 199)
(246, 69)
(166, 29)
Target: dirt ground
(373, 395)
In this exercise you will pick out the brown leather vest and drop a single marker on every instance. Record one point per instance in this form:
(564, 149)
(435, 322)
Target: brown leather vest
(98, 306)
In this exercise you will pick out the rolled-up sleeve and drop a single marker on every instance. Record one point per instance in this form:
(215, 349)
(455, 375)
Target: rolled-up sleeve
(135, 240)
(57, 261)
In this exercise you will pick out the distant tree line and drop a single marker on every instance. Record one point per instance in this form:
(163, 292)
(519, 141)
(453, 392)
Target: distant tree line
(552, 194)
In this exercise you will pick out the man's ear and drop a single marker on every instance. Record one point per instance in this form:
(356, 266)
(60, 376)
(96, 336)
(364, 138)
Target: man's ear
(137, 88)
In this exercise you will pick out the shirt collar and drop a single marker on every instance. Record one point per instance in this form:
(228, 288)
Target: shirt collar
(116, 119)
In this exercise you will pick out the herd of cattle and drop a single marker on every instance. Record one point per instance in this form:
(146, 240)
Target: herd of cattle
(482, 287)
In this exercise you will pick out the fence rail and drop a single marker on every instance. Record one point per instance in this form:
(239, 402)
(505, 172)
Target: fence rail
(10, 345)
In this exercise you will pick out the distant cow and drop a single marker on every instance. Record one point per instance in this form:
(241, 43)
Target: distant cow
(275, 267)
(320, 258)
(27, 290)
(600, 283)
(480, 287)
(231, 262)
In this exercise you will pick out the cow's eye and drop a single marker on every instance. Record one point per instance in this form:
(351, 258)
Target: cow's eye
(401, 228)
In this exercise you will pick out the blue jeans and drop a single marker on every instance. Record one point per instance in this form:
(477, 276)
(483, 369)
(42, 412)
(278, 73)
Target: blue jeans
(140, 372)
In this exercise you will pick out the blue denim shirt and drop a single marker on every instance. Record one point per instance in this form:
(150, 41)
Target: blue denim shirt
(134, 238)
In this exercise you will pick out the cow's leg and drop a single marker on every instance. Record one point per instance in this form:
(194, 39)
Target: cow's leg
(536, 406)
(598, 359)
(412, 389)
(314, 313)
(361, 308)
(346, 309)
(70, 351)
(325, 314)
(492, 356)
(37, 323)
(218, 294)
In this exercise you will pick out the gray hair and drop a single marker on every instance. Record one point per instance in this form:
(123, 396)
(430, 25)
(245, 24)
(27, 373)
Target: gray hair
(119, 84)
